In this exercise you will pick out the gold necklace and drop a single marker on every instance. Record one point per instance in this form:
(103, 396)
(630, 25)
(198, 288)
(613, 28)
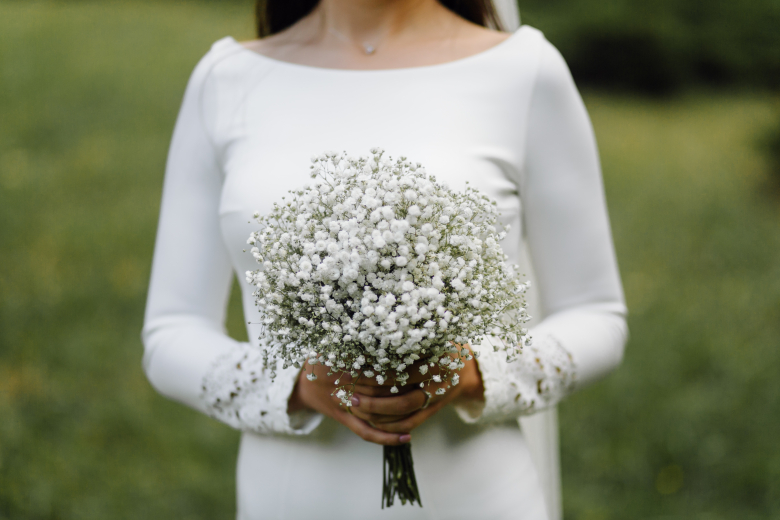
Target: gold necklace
(368, 48)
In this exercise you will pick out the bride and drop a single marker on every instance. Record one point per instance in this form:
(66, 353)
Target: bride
(431, 81)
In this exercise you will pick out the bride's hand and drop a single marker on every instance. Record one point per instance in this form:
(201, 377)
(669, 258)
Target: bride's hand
(316, 395)
(402, 412)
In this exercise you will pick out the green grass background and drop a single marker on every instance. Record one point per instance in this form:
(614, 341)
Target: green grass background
(687, 428)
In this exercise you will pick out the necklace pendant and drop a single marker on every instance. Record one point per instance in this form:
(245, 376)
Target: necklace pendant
(369, 49)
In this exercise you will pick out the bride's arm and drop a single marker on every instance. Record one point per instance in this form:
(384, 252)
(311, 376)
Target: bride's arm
(188, 356)
(570, 244)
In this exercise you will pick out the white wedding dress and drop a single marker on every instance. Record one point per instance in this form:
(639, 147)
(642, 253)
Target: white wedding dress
(508, 120)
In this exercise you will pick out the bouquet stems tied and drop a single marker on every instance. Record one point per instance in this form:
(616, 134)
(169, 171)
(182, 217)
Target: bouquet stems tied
(399, 479)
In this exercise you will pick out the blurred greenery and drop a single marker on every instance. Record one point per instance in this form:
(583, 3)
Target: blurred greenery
(661, 46)
(687, 427)
(770, 144)
(89, 91)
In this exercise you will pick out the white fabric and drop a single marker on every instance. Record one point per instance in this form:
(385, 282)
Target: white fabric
(542, 375)
(510, 121)
(540, 429)
(238, 393)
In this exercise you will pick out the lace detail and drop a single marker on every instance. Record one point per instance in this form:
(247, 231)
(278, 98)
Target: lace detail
(238, 392)
(541, 376)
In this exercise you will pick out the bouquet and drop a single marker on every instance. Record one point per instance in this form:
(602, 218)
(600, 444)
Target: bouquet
(376, 269)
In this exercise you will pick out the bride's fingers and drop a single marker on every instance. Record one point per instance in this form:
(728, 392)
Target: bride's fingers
(399, 405)
(371, 418)
(369, 433)
(374, 391)
(413, 421)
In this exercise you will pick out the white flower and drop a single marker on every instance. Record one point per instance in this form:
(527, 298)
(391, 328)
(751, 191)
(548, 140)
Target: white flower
(378, 265)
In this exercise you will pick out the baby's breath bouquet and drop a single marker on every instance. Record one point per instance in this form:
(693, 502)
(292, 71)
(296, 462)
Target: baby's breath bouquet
(376, 269)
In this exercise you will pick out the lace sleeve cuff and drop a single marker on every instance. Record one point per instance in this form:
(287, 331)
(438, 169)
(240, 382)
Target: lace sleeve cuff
(541, 376)
(238, 392)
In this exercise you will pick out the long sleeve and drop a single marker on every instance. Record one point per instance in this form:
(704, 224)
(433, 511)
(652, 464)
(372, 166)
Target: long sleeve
(569, 241)
(188, 356)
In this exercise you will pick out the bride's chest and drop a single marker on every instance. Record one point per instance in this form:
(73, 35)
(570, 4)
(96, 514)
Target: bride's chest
(462, 134)
(468, 131)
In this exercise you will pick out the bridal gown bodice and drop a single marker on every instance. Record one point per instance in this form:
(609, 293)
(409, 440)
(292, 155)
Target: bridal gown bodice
(509, 121)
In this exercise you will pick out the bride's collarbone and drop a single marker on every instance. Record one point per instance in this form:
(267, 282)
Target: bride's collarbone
(419, 52)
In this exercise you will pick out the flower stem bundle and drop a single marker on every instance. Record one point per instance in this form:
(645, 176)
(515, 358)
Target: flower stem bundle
(398, 476)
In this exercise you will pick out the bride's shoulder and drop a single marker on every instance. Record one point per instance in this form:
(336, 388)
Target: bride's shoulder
(223, 64)
(226, 56)
(218, 53)
(531, 43)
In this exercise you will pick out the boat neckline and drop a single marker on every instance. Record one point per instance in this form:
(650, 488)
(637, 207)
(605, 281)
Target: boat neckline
(459, 61)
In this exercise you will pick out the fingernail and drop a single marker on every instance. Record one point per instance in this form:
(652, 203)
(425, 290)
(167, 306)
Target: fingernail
(355, 400)
(405, 438)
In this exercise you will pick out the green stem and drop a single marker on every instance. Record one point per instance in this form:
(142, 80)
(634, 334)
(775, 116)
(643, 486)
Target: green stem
(398, 476)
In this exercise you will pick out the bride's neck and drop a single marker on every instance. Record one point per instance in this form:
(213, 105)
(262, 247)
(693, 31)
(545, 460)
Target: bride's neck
(377, 34)
(369, 19)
